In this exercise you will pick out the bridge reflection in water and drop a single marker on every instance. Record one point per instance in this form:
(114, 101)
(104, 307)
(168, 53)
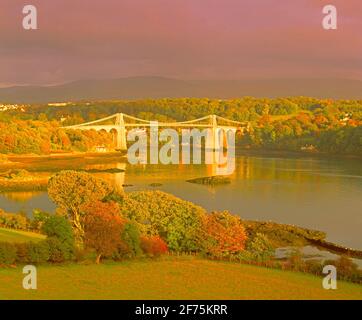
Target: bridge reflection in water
(118, 179)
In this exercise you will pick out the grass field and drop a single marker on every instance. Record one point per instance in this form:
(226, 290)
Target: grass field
(10, 235)
(170, 278)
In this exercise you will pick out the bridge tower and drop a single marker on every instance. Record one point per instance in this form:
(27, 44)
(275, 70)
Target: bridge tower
(215, 133)
(121, 141)
(213, 140)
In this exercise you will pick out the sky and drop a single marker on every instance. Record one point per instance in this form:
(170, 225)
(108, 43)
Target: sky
(183, 39)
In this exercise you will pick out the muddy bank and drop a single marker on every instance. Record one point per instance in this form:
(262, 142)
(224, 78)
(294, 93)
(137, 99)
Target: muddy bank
(335, 248)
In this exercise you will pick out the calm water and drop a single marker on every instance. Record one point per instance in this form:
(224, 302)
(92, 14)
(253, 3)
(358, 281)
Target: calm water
(315, 193)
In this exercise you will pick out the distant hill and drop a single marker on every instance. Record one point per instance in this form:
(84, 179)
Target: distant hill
(159, 87)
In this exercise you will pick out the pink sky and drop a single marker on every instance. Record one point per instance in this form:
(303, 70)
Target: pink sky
(186, 39)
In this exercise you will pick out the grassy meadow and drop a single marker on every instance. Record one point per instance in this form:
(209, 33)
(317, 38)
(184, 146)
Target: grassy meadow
(170, 278)
(10, 235)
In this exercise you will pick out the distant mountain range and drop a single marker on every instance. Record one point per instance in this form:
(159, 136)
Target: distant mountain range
(159, 87)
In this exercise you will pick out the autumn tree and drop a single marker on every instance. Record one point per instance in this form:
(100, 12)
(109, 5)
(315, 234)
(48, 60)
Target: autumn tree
(72, 191)
(222, 234)
(102, 231)
(110, 207)
(153, 246)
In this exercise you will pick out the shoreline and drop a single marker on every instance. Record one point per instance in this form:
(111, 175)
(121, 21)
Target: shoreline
(62, 155)
(287, 153)
(240, 151)
(336, 248)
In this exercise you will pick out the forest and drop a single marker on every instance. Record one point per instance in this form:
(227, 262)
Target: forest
(285, 124)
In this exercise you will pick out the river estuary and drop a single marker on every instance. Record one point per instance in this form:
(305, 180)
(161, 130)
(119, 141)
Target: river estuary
(317, 193)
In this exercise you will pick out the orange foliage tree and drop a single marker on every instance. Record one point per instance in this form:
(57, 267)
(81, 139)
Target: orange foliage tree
(153, 245)
(101, 207)
(103, 228)
(222, 235)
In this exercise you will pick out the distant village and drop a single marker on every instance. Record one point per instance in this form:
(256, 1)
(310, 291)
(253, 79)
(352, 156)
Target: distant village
(7, 107)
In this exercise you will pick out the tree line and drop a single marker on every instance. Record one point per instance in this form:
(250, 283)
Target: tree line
(295, 124)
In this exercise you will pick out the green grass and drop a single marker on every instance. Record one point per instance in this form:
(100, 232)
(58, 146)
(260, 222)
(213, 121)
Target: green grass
(170, 278)
(10, 235)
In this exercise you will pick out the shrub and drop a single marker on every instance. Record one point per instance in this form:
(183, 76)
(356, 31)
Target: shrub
(122, 251)
(260, 248)
(19, 221)
(39, 218)
(158, 213)
(22, 252)
(58, 251)
(346, 269)
(131, 245)
(7, 253)
(13, 221)
(295, 260)
(153, 246)
(223, 235)
(38, 252)
(313, 266)
(81, 254)
(58, 227)
(60, 238)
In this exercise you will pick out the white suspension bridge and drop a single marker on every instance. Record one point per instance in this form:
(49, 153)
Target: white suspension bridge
(120, 123)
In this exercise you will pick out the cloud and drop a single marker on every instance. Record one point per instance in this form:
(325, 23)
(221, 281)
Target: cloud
(180, 38)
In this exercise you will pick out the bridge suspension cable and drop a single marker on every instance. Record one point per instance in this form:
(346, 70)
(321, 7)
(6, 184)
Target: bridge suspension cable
(194, 121)
(93, 122)
(136, 119)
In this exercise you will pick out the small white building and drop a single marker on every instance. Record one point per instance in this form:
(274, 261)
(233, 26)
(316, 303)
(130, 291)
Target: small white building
(101, 149)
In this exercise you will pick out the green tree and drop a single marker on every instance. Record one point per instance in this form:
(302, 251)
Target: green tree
(60, 238)
(177, 221)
